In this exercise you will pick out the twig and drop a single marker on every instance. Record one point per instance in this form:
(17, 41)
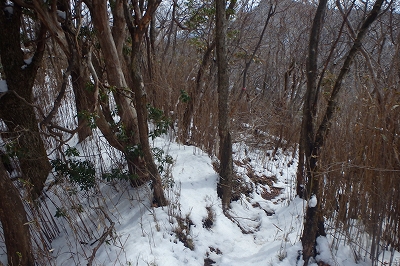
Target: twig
(24, 100)
(277, 227)
(101, 240)
(107, 232)
(60, 96)
(230, 217)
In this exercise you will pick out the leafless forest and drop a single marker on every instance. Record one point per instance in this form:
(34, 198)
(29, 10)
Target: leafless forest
(317, 79)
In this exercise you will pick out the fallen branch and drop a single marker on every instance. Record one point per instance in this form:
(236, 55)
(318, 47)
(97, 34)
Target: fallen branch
(107, 232)
(101, 240)
(244, 231)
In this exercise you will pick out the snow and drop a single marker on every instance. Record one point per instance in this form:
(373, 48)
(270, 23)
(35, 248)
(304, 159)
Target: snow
(324, 251)
(144, 235)
(9, 9)
(313, 201)
(28, 61)
(61, 14)
(3, 86)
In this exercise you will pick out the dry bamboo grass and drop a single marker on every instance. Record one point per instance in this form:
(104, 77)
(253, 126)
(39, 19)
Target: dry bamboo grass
(180, 75)
(361, 170)
(253, 115)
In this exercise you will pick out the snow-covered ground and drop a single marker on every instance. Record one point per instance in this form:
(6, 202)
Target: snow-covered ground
(264, 227)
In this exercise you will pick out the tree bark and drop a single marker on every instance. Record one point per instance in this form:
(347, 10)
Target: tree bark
(141, 107)
(324, 127)
(137, 29)
(14, 222)
(308, 166)
(116, 78)
(312, 141)
(84, 98)
(114, 68)
(196, 94)
(224, 188)
(15, 110)
(78, 50)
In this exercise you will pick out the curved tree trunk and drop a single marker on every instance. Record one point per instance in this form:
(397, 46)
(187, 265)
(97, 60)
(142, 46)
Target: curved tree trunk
(141, 107)
(83, 99)
(80, 76)
(137, 31)
(111, 47)
(14, 222)
(114, 68)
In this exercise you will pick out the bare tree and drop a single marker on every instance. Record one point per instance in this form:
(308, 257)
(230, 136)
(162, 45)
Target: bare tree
(14, 222)
(271, 12)
(16, 106)
(17, 111)
(137, 28)
(313, 140)
(225, 146)
(313, 227)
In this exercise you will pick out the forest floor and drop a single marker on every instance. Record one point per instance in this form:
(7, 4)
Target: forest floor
(117, 224)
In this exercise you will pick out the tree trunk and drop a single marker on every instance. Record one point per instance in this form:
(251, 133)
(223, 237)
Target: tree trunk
(116, 78)
(84, 100)
(313, 141)
(186, 135)
(14, 222)
(224, 188)
(16, 109)
(313, 213)
(137, 30)
(78, 50)
(300, 184)
(141, 107)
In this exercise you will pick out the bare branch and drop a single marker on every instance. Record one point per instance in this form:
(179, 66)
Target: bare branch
(345, 20)
(60, 96)
(24, 100)
(325, 124)
(23, 3)
(271, 12)
(49, 19)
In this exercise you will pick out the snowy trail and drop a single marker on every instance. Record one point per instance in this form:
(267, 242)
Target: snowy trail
(147, 236)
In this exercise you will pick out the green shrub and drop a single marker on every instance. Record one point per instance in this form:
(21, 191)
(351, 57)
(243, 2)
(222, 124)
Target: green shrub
(119, 175)
(162, 161)
(78, 172)
(184, 97)
(160, 121)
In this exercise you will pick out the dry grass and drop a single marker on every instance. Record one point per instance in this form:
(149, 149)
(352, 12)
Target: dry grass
(361, 166)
